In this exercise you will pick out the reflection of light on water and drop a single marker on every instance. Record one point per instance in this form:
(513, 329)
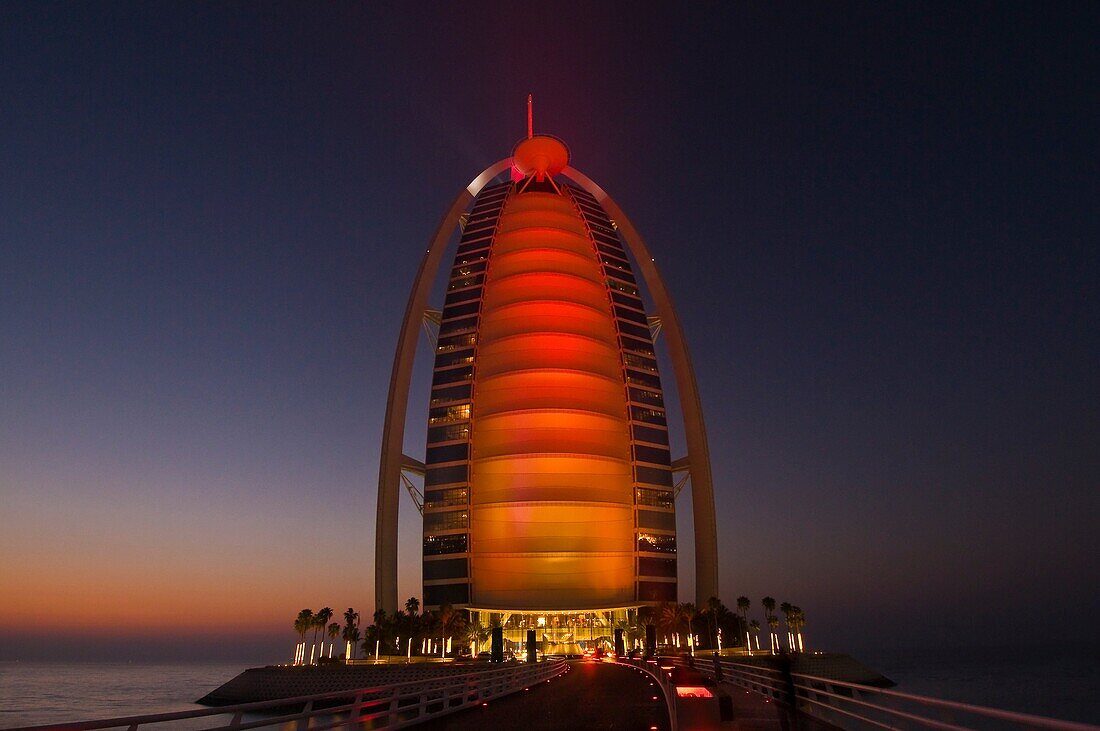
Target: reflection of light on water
(1044, 682)
(44, 693)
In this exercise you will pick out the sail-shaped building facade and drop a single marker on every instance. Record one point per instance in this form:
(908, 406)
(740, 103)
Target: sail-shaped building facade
(548, 482)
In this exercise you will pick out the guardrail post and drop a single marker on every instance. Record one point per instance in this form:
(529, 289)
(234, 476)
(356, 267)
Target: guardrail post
(303, 723)
(394, 696)
(356, 711)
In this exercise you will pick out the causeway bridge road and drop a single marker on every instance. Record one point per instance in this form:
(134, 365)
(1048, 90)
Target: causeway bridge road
(592, 695)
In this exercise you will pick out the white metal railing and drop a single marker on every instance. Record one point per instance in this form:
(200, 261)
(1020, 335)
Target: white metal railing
(664, 681)
(380, 707)
(856, 706)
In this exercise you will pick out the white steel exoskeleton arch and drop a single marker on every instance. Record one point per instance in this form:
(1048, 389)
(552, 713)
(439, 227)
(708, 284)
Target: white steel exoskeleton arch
(393, 434)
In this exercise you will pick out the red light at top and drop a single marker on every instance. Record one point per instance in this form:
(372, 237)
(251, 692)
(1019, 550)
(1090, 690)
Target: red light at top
(540, 155)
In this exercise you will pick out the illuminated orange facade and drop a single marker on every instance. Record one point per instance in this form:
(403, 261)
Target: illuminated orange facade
(548, 480)
(548, 484)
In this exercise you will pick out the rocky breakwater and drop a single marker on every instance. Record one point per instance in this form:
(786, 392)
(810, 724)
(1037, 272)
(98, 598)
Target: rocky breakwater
(280, 681)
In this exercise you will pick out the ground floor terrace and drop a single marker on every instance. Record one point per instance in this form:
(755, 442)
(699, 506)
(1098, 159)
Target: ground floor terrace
(561, 632)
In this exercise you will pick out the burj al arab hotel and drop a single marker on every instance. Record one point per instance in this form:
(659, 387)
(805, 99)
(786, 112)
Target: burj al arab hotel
(549, 491)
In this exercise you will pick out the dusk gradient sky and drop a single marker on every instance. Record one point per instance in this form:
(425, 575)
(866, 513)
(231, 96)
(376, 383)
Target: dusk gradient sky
(878, 223)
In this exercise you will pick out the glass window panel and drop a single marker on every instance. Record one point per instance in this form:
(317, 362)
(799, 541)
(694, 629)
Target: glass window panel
(650, 434)
(448, 453)
(654, 475)
(453, 326)
(630, 328)
(642, 346)
(649, 566)
(643, 379)
(466, 270)
(646, 396)
(656, 543)
(448, 433)
(474, 245)
(457, 568)
(464, 295)
(455, 342)
(451, 393)
(640, 362)
(626, 299)
(656, 591)
(622, 286)
(654, 455)
(467, 308)
(632, 315)
(656, 520)
(440, 545)
(446, 594)
(466, 282)
(446, 475)
(455, 374)
(447, 498)
(650, 416)
(446, 521)
(443, 414)
(654, 498)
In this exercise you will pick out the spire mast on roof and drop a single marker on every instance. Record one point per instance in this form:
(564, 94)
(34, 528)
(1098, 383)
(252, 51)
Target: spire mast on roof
(530, 119)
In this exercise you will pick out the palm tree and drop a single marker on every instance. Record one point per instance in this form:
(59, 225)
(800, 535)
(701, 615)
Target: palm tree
(769, 610)
(350, 633)
(797, 621)
(451, 622)
(412, 606)
(712, 620)
(476, 634)
(303, 624)
(773, 625)
(743, 605)
(333, 633)
(377, 635)
(687, 615)
(786, 608)
(351, 636)
(755, 627)
(320, 622)
(666, 618)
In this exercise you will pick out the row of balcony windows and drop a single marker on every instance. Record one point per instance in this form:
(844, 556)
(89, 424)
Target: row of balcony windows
(447, 453)
(459, 474)
(443, 414)
(451, 520)
(454, 375)
(441, 545)
(465, 270)
(461, 309)
(460, 520)
(459, 496)
(466, 282)
(627, 300)
(470, 244)
(453, 594)
(462, 296)
(451, 393)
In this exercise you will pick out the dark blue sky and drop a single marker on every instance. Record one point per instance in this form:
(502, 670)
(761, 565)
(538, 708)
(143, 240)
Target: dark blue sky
(879, 225)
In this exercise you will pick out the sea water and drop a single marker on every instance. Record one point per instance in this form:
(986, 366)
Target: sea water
(36, 693)
(1061, 683)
